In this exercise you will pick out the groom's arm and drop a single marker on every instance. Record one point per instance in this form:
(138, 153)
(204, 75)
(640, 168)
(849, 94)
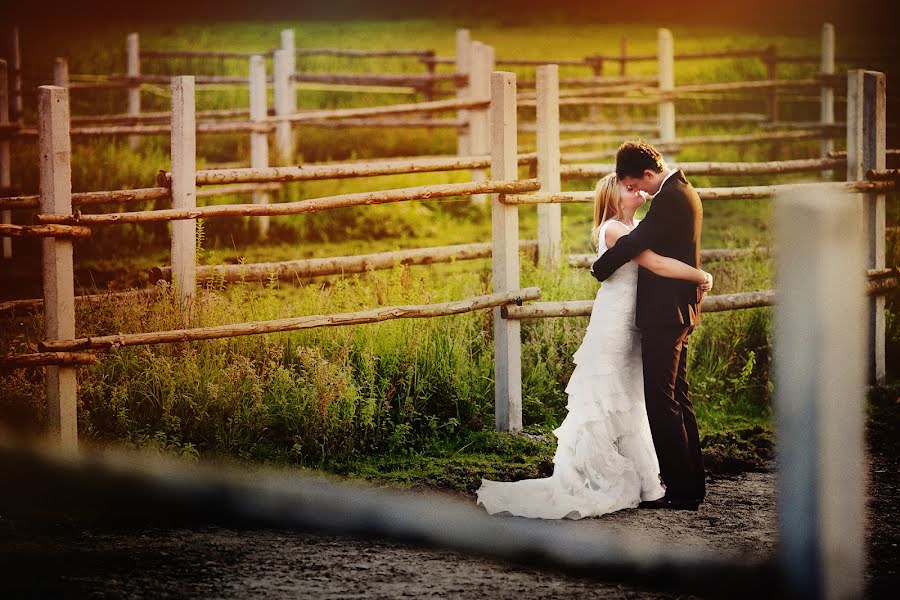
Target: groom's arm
(648, 231)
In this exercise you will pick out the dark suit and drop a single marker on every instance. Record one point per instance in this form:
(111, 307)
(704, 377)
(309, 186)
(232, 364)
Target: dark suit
(667, 311)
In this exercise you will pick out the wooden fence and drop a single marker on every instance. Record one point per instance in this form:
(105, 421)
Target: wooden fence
(473, 64)
(820, 393)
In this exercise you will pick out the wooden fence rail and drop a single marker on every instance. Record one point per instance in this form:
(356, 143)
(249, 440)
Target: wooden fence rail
(412, 311)
(427, 192)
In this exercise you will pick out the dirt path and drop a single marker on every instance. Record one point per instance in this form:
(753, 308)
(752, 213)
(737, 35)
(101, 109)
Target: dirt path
(53, 559)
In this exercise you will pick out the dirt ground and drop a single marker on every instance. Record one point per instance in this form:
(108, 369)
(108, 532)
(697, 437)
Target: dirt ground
(53, 558)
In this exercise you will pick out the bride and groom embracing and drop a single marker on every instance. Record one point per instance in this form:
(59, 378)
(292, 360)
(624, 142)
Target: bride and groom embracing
(630, 436)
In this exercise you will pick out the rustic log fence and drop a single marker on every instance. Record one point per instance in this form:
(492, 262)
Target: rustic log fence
(836, 270)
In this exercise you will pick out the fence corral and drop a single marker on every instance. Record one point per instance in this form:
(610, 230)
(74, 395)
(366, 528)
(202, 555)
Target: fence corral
(810, 512)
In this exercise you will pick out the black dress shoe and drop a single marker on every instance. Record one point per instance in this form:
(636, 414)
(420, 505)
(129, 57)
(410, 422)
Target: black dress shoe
(666, 503)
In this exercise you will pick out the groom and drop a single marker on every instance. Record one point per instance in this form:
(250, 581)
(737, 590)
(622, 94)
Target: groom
(667, 311)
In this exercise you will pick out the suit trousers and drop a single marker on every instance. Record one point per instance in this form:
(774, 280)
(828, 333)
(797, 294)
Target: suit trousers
(673, 423)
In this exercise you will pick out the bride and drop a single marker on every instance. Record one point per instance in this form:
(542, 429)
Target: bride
(605, 460)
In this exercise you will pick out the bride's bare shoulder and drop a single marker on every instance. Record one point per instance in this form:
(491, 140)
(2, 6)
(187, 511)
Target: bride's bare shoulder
(613, 231)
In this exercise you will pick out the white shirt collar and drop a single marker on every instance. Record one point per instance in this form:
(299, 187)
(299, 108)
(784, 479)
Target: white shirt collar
(665, 179)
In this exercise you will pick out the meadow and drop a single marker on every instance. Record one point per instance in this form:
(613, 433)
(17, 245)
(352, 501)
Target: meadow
(411, 400)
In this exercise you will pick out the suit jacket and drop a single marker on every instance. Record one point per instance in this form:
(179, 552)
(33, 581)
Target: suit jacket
(671, 228)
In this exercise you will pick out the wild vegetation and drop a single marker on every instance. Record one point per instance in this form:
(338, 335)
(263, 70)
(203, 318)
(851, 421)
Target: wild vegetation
(408, 400)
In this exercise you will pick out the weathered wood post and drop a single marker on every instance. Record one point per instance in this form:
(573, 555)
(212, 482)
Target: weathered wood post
(827, 92)
(548, 163)
(505, 248)
(281, 82)
(259, 140)
(623, 56)
(866, 146)
(463, 67)
(15, 55)
(57, 272)
(666, 67)
(820, 327)
(184, 186)
(5, 156)
(482, 65)
(290, 49)
(61, 72)
(133, 57)
(770, 58)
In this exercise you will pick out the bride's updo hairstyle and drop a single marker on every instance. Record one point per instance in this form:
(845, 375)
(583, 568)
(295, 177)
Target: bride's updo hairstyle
(607, 203)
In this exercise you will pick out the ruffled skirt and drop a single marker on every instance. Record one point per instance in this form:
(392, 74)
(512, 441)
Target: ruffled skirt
(605, 460)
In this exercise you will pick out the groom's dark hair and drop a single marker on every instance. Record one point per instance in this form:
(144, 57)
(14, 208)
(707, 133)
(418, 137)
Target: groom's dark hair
(633, 158)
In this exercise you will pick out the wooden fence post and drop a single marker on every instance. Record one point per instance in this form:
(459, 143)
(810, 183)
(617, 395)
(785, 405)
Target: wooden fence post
(15, 54)
(288, 44)
(463, 67)
(482, 65)
(770, 58)
(820, 326)
(57, 272)
(827, 92)
(259, 140)
(5, 156)
(548, 163)
(133, 56)
(184, 186)
(61, 72)
(623, 56)
(666, 68)
(866, 146)
(281, 81)
(505, 248)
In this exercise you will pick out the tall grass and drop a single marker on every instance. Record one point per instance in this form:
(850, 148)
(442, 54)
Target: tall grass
(403, 389)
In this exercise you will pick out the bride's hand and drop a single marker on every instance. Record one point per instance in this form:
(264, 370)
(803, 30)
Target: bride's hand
(707, 285)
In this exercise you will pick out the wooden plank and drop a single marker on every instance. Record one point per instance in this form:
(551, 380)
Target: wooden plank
(666, 71)
(283, 137)
(548, 165)
(57, 273)
(463, 92)
(414, 311)
(259, 141)
(866, 146)
(184, 187)
(505, 260)
(133, 69)
(826, 113)
(340, 265)
(426, 192)
(482, 65)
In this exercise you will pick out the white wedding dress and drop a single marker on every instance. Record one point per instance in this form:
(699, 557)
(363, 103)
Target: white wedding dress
(605, 460)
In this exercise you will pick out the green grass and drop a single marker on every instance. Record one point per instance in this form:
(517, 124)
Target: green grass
(407, 401)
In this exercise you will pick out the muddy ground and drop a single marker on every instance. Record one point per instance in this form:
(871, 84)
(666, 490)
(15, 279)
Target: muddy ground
(64, 558)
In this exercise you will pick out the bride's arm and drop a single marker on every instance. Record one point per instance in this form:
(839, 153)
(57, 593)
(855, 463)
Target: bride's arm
(661, 265)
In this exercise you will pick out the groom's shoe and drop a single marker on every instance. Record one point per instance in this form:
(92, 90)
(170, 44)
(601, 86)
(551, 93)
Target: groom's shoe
(666, 503)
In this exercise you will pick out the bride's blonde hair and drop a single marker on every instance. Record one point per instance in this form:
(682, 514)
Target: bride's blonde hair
(607, 203)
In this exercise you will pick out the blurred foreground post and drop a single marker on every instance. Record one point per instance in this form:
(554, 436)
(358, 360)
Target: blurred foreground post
(259, 140)
(133, 56)
(57, 272)
(463, 92)
(820, 325)
(548, 162)
(505, 262)
(184, 186)
(482, 65)
(281, 76)
(866, 147)
(5, 156)
(666, 68)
